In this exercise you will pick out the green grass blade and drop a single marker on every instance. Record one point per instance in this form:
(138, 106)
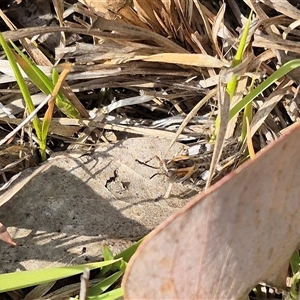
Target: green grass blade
(295, 262)
(104, 284)
(242, 45)
(22, 84)
(19, 280)
(107, 255)
(41, 80)
(127, 253)
(125, 256)
(106, 252)
(283, 70)
(111, 295)
(54, 76)
(231, 86)
(294, 293)
(35, 74)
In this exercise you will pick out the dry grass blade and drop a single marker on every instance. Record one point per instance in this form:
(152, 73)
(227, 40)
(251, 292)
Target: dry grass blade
(24, 122)
(59, 9)
(136, 33)
(197, 60)
(223, 107)
(232, 124)
(39, 291)
(266, 108)
(277, 43)
(216, 27)
(58, 125)
(284, 7)
(191, 114)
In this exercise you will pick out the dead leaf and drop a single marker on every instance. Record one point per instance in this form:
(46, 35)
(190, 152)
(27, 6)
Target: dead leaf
(59, 9)
(275, 43)
(242, 231)
(5, 236)
(199, 60)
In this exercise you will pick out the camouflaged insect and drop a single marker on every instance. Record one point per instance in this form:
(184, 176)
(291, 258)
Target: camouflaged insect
(191, 168)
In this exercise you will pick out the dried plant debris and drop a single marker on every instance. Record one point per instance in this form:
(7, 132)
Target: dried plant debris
(147, 68)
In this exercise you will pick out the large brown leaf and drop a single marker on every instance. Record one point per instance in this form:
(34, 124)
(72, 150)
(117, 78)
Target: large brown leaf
(221, 244)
